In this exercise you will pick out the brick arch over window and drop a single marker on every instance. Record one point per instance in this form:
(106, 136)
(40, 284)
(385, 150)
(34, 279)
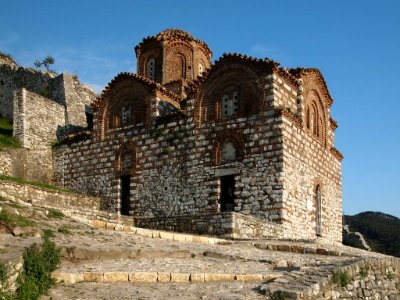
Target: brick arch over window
(178, 62)
(316, 116)
(125, 160)
(129, 97)
(225, 141)
(153, 52)
(237, 88)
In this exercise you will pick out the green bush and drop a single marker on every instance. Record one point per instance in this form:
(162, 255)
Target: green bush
(55, 214)
(3, 272)
(342, 278)
(39, 262)
(364, 271)
(280, 295)
(391, 275)
(64, 230)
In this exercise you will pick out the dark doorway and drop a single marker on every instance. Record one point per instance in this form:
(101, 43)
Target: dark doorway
(125, 194)
(227, 193)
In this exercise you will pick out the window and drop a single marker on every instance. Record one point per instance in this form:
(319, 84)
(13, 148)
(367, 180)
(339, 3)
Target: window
(126, 114)
(319, 211)
(200, 69)
(228, 152)
(150, 69)
(126, 161)
(230, 105)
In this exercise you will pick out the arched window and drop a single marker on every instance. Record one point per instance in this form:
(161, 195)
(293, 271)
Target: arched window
(200, 69)
(318, 201)
(180, 64)
(230, 104)
(151, 69)
(308, 118)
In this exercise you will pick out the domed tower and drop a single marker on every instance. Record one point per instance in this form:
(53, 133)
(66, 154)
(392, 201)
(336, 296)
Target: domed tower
(172, 58)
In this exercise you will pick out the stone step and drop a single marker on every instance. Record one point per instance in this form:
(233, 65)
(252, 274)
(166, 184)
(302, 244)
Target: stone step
(145, 277)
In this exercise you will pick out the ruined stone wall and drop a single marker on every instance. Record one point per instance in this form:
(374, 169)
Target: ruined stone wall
(13, 78)
(36, 119)
(5, 163)
(78, 98)
(65, 89)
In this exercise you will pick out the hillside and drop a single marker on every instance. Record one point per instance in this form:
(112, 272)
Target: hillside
(381, 231)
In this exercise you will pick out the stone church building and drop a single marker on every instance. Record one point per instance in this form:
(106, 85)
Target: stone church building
(241, 148)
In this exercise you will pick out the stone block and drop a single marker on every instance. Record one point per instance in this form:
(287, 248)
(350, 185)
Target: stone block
(93, 276)
(143, 277)
(111, 226)
(144, 232)
(219, 277)
(179, 237)
(180, 277)
(197, 277)
(166, 235)
(98, 223)
(200, 239)
(67, 277)
(249, 277)
(116, 276)
(164, 277)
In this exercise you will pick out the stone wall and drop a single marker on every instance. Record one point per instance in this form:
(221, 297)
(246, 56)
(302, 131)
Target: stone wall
(225, 224)
(47, 198)
(368, 279)
(64, 89)
(5, 163)
(13, 77)
(36, 119)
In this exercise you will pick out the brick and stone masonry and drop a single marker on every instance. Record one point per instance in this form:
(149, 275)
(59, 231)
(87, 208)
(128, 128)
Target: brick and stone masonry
(242, 147)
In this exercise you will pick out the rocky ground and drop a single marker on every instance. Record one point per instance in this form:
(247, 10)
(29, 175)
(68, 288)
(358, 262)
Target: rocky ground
(128, 265)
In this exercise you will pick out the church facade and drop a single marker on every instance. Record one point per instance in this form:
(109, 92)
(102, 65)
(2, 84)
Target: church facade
(241, 148)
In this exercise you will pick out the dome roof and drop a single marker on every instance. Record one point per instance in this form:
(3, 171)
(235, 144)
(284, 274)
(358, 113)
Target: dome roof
(172, 34)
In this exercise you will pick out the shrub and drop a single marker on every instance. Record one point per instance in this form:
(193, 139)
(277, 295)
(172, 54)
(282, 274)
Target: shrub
(55, 214)
(64, 230)
(35, 278)
(342, 278)
(364, 271)
(3, 272)
(391, 275)
(279, 295)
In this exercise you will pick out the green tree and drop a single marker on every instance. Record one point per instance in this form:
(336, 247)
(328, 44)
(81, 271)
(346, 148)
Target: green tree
(46, 62)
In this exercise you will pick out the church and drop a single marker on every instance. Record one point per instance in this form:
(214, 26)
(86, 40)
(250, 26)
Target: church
(239, 148)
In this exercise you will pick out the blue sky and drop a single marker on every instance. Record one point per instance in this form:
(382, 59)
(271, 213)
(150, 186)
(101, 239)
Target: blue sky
(356, 45)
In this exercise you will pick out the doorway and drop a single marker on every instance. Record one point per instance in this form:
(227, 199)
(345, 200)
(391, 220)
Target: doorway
(125, 195)
(227, 196)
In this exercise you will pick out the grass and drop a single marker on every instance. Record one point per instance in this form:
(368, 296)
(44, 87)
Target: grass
(35, 183)
(12, 220)
(6, 135)
(342, 278)
(64, 230)
(3, 272)
(55, 214)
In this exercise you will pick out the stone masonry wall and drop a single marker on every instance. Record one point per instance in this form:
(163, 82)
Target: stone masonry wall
(225, 224)
(65, 89)
(36, 119)
(13, 78)
(5, 163)
(368, 279)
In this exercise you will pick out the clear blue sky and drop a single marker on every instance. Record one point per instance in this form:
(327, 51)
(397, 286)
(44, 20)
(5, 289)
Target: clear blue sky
(356, 45)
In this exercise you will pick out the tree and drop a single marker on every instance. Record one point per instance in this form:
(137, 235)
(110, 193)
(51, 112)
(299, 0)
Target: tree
(46, 62)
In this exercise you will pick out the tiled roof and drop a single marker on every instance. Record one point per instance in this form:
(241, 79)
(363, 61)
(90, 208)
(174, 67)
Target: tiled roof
(173, 34)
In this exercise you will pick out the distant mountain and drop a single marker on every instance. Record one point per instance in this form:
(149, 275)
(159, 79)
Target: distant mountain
(380, 231)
